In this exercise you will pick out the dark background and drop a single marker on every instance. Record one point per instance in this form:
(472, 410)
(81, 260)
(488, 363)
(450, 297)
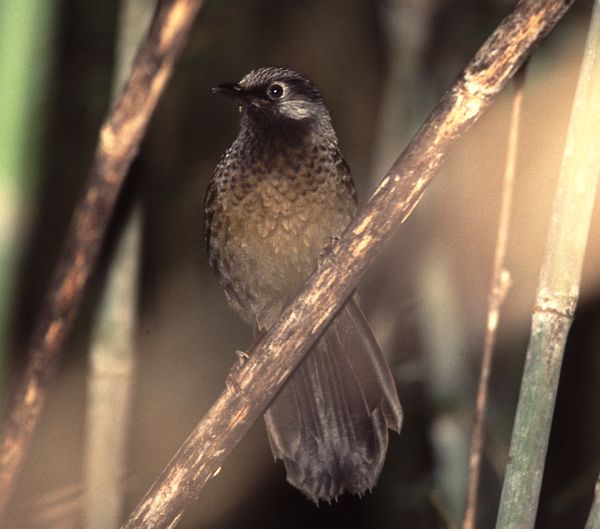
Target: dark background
(381, 65)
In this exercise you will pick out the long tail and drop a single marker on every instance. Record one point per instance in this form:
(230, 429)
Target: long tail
(329, 423)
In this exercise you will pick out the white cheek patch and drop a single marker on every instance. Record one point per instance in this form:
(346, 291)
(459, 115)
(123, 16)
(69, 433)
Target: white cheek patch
(296, 109)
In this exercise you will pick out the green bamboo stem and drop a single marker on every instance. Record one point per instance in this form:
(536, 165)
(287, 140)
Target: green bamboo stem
(26, 27)
(557, 295)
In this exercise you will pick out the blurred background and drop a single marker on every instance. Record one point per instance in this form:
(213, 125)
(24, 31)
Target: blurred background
(381, 66)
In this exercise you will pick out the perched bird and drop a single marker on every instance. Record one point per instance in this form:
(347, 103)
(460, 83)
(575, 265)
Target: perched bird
(278, 196)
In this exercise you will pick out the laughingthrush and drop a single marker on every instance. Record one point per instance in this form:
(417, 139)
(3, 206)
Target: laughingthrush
(278, 196)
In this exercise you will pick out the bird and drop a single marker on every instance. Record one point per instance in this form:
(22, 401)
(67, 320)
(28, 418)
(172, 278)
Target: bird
(280, 194)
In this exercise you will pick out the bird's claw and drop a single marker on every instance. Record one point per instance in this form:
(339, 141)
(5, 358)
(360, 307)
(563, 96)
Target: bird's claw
(242, 356)
(328, 248)
(232, 381)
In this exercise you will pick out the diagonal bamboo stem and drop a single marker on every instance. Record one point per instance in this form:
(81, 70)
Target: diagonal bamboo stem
(557, 295)
(118, 143)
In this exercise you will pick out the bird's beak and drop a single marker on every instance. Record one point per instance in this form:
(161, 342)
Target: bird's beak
(232, 90)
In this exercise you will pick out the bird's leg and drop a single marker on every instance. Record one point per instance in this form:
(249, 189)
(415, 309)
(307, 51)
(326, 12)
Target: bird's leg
(242, 356)
(327, 249)
(232, 380)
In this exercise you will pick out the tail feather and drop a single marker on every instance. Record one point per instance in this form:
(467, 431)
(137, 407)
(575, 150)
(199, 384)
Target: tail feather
(329, 422)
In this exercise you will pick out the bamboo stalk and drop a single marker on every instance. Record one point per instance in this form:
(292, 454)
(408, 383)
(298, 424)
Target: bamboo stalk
(110, 381)
(26, 51)
(112, 354)
(557, 295)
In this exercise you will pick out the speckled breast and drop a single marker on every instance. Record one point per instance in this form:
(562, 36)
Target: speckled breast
(274, 218)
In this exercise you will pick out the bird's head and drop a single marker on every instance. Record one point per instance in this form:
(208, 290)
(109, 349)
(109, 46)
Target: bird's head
(275, 98)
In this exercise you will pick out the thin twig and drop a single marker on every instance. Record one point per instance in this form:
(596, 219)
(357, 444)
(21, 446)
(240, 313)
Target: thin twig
(441, 510)
(500, 284)
(118, 143)
(557, 295)
(251, 387)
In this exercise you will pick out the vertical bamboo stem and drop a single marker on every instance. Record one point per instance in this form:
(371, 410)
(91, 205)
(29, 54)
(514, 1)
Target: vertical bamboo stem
(112, 363)
(557, 295)
(26, 51)
(112, 355)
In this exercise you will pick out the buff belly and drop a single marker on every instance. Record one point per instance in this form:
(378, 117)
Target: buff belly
(273, 245)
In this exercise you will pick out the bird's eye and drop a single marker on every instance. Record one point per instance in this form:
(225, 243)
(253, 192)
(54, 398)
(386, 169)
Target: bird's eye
(275, 91)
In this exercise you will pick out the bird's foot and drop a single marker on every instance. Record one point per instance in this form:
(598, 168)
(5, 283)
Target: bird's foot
(327, 249)
(232, 381)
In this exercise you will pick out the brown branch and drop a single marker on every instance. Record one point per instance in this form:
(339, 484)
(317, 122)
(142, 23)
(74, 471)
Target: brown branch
(118, 143)
(500, 284)
(250, 388)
